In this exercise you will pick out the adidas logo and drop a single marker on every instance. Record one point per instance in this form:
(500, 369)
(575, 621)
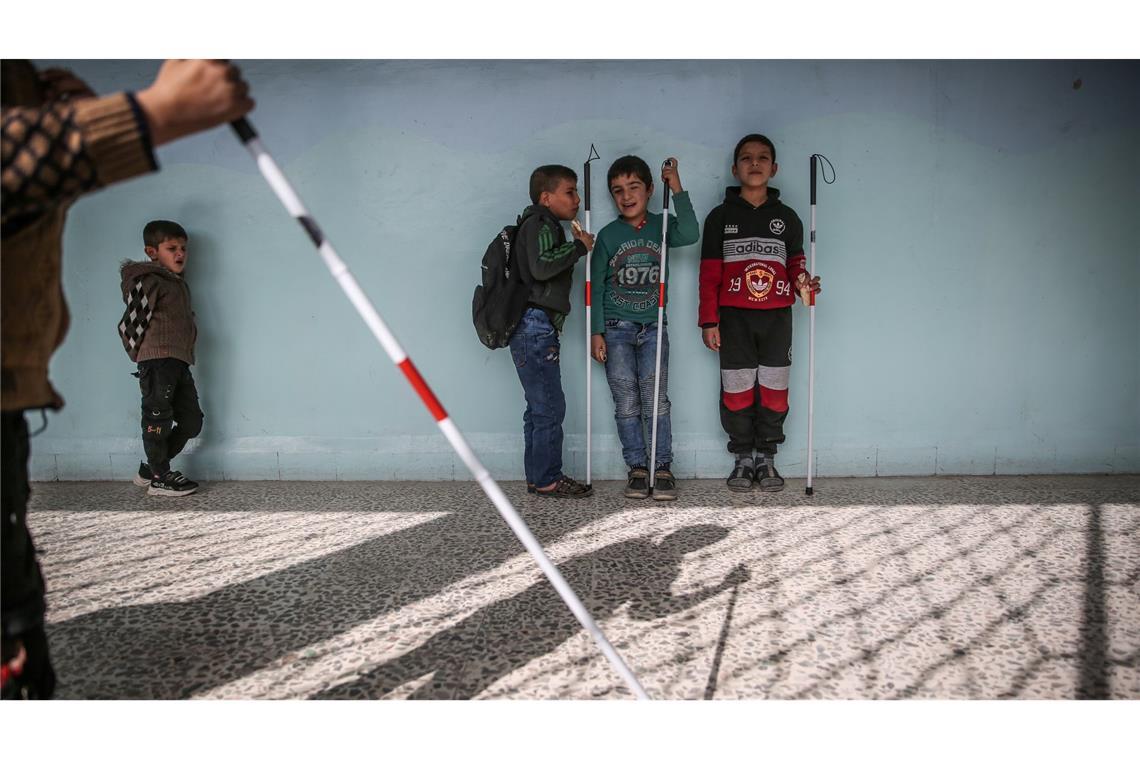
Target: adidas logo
(730, 229)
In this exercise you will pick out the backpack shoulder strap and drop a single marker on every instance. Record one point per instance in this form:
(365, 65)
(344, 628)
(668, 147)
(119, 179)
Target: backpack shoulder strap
(522, 261)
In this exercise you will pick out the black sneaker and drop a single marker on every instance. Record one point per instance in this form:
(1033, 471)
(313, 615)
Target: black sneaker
(741, 477)
(767, 477)
(664, 486)
(144, 476)
(637, 485)
(173, 483)
(530, 488)
(567, 488)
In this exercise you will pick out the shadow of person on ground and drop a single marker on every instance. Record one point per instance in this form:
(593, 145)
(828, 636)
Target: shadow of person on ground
(467, 658)
(181, 648)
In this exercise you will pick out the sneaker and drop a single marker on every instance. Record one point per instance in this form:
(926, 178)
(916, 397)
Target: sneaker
(664, 486)
(637, 486)
(530, 488)
(767, 477)
(741, 477)
(567, 488)
(144, 475)
(173, 483)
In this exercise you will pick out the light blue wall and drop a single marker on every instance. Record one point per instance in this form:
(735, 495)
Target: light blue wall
(980, 256)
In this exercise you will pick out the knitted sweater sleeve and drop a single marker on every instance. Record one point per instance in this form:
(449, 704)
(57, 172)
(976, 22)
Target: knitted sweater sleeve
(55, 153)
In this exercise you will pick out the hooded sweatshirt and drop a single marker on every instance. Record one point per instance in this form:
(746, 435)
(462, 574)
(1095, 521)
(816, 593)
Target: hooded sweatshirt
(550, 260)
(171, 332)
(750, 256)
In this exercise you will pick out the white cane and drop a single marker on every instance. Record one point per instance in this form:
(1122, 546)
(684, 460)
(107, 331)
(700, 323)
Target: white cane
(811, 337)
(660, 320)
(810, 299)
(589, 364)
(292, 202)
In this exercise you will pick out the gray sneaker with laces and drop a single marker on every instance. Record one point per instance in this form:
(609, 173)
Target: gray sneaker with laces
(767, 476)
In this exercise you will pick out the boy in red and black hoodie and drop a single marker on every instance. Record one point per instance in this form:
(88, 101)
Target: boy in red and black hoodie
(752, 265)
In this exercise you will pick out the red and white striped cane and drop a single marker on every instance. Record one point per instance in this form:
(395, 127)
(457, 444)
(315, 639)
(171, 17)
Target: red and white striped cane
(660, 320)
(589, 364)
(292, 202)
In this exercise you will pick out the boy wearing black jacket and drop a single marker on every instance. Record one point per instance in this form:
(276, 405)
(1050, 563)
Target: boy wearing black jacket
(550, 259)
(752, 264)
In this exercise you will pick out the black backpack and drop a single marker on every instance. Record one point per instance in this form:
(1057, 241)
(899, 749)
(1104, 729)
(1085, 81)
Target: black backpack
(499, 303)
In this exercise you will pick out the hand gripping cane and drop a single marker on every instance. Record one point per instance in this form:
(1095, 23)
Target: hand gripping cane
(660, 319)
(589, 363)
(811, 322)
(368, 313)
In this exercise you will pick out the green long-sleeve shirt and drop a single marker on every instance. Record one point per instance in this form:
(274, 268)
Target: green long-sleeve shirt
(625, 267)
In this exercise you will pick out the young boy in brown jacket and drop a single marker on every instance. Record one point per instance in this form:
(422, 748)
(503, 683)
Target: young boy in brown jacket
(158, 332)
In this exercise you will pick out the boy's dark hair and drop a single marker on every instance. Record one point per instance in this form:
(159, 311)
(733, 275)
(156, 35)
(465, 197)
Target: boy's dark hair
(545, 179)
(630, 165)
(753, 138)
(160, 230)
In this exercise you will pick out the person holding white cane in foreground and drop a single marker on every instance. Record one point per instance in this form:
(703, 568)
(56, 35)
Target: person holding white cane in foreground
(62, 142)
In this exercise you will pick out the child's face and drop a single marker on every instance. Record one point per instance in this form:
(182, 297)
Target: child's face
(631, 196)
(171, 253)
(563, 200)
(754, 166)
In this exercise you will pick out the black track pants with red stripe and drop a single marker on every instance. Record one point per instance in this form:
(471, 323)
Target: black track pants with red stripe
(755, 362)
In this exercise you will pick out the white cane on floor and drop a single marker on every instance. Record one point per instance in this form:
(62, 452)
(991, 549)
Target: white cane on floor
(292, 202)
(660, 319)
(589, 364)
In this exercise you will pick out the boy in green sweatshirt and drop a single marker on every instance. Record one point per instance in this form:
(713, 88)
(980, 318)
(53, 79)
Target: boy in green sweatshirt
(625, 274)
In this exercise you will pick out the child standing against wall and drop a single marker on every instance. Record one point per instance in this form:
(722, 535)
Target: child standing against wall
(159, 333)
(751, 256)
(625, 272)
(550, 259)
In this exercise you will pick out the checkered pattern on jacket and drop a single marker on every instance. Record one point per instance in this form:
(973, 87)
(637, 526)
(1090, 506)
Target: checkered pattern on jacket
(136, 319)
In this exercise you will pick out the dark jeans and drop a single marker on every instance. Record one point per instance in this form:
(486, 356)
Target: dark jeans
(171, 415)
(535, 351)
(631, 358)
(21, 582)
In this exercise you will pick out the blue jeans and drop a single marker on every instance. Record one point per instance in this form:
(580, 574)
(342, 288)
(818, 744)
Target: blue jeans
(631, 355)
(534, 349)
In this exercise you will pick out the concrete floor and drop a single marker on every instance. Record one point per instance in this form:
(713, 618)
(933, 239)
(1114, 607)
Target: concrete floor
(874, 588)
